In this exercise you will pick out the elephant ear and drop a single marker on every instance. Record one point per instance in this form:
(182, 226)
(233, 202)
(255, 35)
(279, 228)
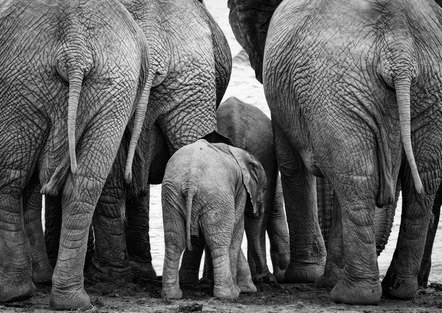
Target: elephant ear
(254, 178)
(250, 21)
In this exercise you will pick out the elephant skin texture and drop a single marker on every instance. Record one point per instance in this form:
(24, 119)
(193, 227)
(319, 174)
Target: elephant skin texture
(357, 105)
(68, 89)
(204, 193)
(191, 60)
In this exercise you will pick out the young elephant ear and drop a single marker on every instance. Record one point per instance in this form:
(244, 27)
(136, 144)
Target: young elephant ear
(250, 20)
(254, 178)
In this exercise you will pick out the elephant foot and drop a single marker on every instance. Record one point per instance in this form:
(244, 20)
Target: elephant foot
(108, 274)
(226, 293)
(16, 292)
(404, 289)
(247, 286)
(298, 272)
(42, 273)
(171, 293)
(265, 277)
(332, 275)
(279, 274)
(142, 271)
(326, 281)
(351, 294)
(401, 288)
(72, 300)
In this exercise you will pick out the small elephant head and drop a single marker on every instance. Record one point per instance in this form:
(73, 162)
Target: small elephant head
(254, 178)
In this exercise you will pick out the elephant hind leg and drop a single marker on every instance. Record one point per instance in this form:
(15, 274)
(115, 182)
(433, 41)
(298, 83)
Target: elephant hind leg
(244, 276)
(190, 264)
(15, 257)
(307, 248)
(110, 260)
(41, 268)
(279, 235)
(175, 239)
(218, 235)
(334, 265)
(238, 263)
(359, 282)
(224, 286)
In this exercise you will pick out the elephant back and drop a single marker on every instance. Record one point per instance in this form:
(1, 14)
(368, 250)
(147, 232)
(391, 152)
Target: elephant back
(250, 129)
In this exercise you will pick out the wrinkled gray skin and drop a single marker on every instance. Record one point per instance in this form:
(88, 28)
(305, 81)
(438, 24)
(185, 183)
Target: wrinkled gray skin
(192, 62)
(68, 88)
(424, 271)
(342, 80)
(250, 129)
(204, 193)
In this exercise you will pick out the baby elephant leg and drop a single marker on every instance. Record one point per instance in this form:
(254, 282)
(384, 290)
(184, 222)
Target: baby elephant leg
(240, 266)
(190, 264)
(218, 240)
(175, 244)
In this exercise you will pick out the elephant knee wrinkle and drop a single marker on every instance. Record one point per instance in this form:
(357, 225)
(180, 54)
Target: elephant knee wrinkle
(359, 215)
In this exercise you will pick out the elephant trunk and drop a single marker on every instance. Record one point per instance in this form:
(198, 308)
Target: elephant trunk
(402, 84)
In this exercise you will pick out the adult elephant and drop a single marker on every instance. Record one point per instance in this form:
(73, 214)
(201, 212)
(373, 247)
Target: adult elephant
(350, 86)
(191, 60)
(68, 87)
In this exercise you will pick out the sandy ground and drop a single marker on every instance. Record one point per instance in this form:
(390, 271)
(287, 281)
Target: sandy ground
(145, 296)
(304, 298)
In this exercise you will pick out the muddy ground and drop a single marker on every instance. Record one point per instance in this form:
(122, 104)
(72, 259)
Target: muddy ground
(146, 297)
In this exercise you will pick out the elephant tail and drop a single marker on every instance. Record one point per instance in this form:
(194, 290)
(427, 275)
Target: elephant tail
(402, 84)
(61, 172)
(399, 67)
(140, 112)
(72, 62)
(75, 82)
(189, 194)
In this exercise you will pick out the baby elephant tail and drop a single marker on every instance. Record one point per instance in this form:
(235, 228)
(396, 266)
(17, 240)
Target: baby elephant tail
(188, 193)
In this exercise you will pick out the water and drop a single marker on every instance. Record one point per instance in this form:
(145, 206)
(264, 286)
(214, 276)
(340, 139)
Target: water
(244, 86)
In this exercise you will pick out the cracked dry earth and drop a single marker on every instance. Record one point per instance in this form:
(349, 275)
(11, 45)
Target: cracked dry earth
(146, 297)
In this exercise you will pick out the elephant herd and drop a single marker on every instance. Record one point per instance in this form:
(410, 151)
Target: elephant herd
(102, 98)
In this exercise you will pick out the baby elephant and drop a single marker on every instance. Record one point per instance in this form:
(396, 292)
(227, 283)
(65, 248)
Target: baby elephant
(204, 193)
